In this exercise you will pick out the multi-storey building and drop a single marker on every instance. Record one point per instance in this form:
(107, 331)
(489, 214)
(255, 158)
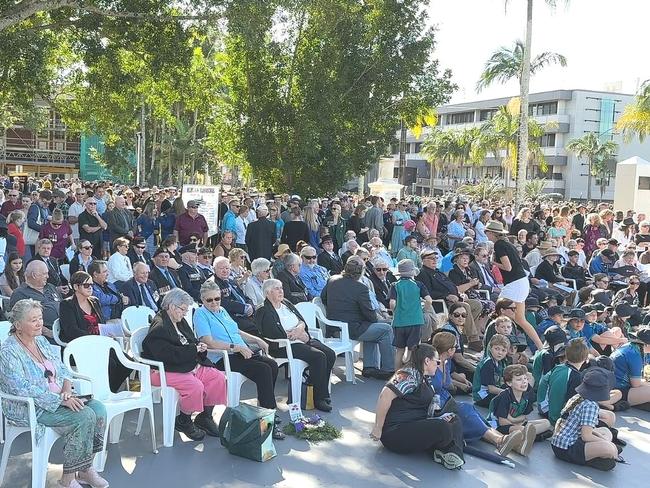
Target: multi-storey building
(570, 114)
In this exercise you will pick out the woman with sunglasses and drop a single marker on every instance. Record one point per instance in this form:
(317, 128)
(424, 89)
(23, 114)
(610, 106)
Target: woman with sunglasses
(81, 315)
(83, 258)
(247, 354)
(463, 367)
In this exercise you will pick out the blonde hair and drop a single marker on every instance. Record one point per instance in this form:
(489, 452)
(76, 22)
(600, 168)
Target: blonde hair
(499, 340)
(235, 253)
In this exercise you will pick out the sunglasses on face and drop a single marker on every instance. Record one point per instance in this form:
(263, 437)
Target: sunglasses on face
(210, 300)
(140, 247)
(193, 206)
(635, 282)
(87, 286)
(310, 257)
(381, 270)
(86, 247)
(459, 315)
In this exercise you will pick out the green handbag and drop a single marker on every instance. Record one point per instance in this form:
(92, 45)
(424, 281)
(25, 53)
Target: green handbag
(245, 430)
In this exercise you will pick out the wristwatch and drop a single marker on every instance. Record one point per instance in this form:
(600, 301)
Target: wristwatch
(231, 346)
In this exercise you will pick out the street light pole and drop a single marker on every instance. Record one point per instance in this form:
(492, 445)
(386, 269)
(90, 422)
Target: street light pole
(138, 157)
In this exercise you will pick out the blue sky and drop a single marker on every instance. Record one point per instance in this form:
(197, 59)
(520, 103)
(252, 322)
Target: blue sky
(604, 41)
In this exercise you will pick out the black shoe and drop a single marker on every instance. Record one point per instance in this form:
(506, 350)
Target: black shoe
(206, 423)
(323, 406)
(277, 420)
(643, 406)
(543, 436)
(621, 406)
(277, 434)
(190, 430)
(379, 374)
(369, 372)
(603, 464)
(615, 439)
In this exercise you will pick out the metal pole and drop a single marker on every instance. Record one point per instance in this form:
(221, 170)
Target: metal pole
(138, 137)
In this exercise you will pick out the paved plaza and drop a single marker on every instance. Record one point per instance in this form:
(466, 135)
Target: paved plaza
(352, 461)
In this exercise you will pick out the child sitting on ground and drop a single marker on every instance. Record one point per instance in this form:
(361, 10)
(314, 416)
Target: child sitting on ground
(545, 359)
(502, 325)
(628, 369)
(576, 438)
(509, 409)
(600, 337)
(408, 318)
(554, 318)
(488, 377)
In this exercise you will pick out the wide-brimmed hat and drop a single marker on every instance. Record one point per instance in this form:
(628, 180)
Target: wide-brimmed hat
(460, 252)
(532, 302)
(595, 385)
(495, 227)
(551, 251)
(556, 340)
(576, 313)
(625, 310)
(641, 336)
(282, 248)
(544, 245)
(554, 310)
(406, 268)
(519, 342)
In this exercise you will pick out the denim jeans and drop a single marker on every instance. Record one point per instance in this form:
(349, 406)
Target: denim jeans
(378, 335)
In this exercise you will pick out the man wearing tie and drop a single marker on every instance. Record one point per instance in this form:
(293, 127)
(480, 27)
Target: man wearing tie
(162, 275)
(233, 298)
(190, 275)
(140, 290)
(137, 252)
(54, 277)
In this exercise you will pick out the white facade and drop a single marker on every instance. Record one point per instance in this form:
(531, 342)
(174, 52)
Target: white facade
(573, 113)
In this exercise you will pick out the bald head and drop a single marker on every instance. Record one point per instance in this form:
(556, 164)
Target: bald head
(36, 274)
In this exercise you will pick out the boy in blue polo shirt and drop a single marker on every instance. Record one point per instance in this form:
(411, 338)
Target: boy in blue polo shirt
(600, 338)
(510, 408)
(408, 318)
(629, 366)
(488, 377)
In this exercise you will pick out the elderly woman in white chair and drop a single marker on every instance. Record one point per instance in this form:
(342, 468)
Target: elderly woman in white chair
(260, 271)
(279, 319)
(29, 367)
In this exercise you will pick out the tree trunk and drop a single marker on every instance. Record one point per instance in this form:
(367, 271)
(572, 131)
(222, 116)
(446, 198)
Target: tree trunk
(143, 142)
(589, 177)
(522, 154)
(154, 138)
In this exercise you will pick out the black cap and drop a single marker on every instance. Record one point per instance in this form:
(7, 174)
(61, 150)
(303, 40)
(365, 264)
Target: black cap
(625, 310)
(326, 238)
(587, 309)
(642, 335)
(138, 240)
(604, 362)
(576, 313)
(613, 242)
(608, 253)
(555, 310)
(160, 250)
(555, 338)
(573, 252)
(189, 248)
(532, 302)
(519, 342)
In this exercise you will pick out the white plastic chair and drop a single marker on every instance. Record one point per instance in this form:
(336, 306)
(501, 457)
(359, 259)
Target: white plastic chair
(189, 316)
(296, 368)
(40, 450)
(167, 394)
(235, 380)
(484, 293)
(357, 346)
(313, 315)
(65, 271)
(135, 317)
(91, 355)
(443, 305)
(56, 332)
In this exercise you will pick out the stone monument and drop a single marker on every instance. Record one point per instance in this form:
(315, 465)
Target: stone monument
(386, 186)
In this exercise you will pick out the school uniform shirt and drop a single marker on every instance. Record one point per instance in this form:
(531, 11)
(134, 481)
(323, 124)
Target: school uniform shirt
(488, 372)
(556, 388)
(591, 329)
(505, 403)
(407, 294)
(585, 414)
(449, 327)
(628, 364)
(543, 362)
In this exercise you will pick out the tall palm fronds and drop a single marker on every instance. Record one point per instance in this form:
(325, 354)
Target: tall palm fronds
(597, 152)
(635, 120)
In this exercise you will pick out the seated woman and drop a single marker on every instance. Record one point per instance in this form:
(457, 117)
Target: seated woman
(238, 271)
(260, 271)
(246, 352)
(170, 244)
(111, 301)
(226, 244)
(405, 417)
(13, 276)
(474, 426)
(463, 367)
(467, 281)
(81, 315)
(30, 368)
(171, 341)
(82, 259)
(119, 264)
(279, 319)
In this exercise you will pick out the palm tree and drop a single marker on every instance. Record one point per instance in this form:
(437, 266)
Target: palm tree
(635, 119)
(597, 152)
(501, 134)
(507, 63)
(524, 84)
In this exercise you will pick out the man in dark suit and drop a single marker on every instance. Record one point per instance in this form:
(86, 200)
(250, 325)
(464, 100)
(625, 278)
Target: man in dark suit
(348, 300)
(381, 279)
(328, 259)
(260, 235)
(137, 252)
(233, 298)
(54, 276)
(294, 289)
(204, 262)
(189, 273)
(162, 275)
(481, 267)
(140, 290)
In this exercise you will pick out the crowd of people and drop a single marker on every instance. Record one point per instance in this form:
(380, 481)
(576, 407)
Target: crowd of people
(448, 297)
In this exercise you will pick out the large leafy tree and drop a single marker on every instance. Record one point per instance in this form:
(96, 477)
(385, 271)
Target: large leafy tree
(597, 152)
(318, 96)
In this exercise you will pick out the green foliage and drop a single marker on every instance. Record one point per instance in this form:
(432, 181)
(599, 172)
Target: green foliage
(534, 189)
(635, 119)
(327, 432)
(485, 189)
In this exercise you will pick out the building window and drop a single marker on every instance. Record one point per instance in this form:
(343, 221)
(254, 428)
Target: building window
(418, 147)
(487, 114)
(547, 140)
(546, 108)
(394, 148)
(644, 183)
(459, 118)
(557, 176)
